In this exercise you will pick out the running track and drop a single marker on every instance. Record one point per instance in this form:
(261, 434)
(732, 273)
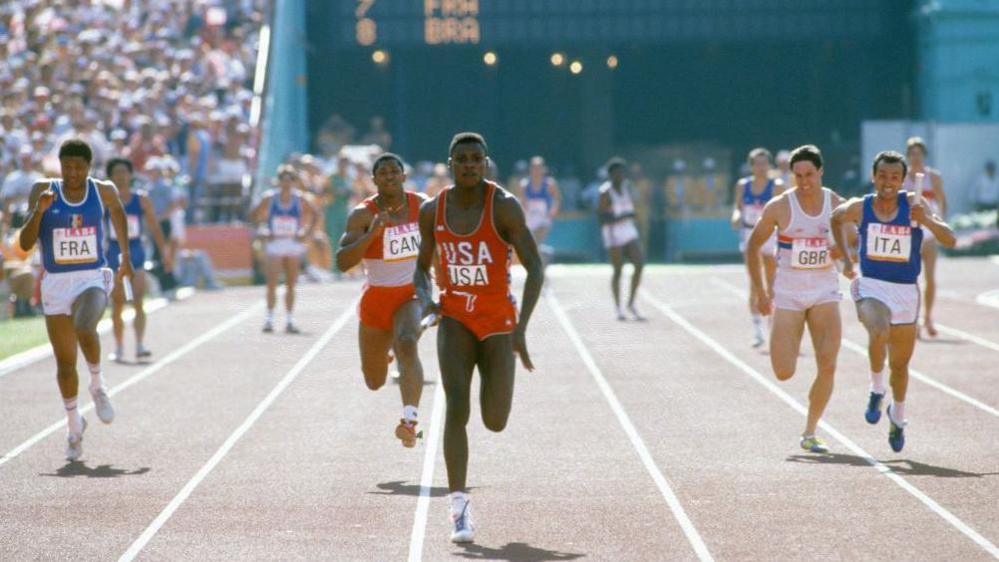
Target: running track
(662, 440)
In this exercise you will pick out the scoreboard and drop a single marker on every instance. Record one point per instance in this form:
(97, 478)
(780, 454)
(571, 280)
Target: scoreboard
(412, 23)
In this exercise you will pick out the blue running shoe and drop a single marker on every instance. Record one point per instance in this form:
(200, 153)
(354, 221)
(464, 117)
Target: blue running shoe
(873, 413)
(896, 434)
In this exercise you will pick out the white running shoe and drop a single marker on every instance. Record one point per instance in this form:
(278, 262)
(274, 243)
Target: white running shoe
(102, 404)
(74, 445)
(464, 531)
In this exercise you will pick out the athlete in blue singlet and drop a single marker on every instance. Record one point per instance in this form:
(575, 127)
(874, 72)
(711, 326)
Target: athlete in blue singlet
(290, 220)
(141, 219)
(887, 293)
(67, 218)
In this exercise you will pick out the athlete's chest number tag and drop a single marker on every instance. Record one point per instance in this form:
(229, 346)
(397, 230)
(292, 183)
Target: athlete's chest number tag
(133, 228)
(537, 208)
(74, 245)
(889, 242)
(401, 242)
(810, 253)
(285, 227)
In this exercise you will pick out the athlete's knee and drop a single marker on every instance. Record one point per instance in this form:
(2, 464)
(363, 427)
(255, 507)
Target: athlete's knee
(494, 421)
(406, 343)
(374, 377)
(784, 372)
(899, 366)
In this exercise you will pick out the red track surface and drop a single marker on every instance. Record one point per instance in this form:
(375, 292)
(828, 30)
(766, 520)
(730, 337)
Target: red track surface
(228, 450)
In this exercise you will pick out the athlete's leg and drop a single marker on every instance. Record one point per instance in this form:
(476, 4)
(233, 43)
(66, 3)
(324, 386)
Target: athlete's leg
(87, 311)
(457, 349)
(496, 369)
(634, 253)
(901, 344)
(616, 255)
(62, 336)
(374, 344)
(876, 318)
(785, 341)
(138, 296)
(929, 255)
(291, 268)
(117, 324)
(272, 272)
(825, 328)
(407, 337)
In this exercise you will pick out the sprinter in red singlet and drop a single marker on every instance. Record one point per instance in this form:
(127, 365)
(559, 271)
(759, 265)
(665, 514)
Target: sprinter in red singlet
(383, 233)
(471, 227)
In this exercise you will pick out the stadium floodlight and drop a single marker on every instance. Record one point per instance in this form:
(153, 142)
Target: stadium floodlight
(380, 57)
(576, 67)
(490, 58)
(558, 59)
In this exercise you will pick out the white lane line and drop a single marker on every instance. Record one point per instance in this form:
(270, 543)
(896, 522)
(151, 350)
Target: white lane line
(801, 409)
(862, 351)
(170, 358)
(629, 428)
(989, 298)
(39, 352)
(262, 407)
(970, 337)
(427, 479)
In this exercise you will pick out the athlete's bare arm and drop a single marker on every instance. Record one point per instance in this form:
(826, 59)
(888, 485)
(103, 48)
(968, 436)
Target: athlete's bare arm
(311, 216)
(154, 227)
(362, 227)
(556, 195)
(844, 215)
(921, 213)
(770, 220)
(425, 260)
(737, 209)
(512, 227)
(605, 209)
(109, 196)
(936, 181)
(259, 213)
(39, 201)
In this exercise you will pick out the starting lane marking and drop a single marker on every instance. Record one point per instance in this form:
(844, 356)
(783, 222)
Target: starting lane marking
(262, 407)
(861, 350)
(427, 478)
(843, 439)
(152, 369)
(970, 337)
(629, 429)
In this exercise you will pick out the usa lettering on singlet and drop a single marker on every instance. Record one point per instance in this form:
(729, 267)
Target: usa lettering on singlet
(466, 263)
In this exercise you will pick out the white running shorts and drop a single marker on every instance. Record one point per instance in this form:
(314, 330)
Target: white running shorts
(60, 290)
(902, 299)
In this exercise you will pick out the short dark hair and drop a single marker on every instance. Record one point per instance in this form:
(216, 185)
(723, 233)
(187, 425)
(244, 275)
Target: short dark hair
(890, 157)
(467, 138)
(758, 152)
(916, 141)
(615, 162)
(115, 162)
(807, 153)
(76, 147)
(385, 157)
(286, 169)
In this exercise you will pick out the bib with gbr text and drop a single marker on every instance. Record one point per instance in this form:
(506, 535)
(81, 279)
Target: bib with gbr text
(810, 253)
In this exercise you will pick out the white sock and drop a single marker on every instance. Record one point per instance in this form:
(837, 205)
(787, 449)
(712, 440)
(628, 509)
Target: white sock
(898, 413)
(73, 419)
(409, 413)
(96, 377)
(758, 325)
(270, 315)
(878, 382)
(290, 318)
(458, 501)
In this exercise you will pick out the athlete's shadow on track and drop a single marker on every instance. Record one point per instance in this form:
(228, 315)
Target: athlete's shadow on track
(77, 468)
(519, 551)
(401, 488)
(902, 467)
